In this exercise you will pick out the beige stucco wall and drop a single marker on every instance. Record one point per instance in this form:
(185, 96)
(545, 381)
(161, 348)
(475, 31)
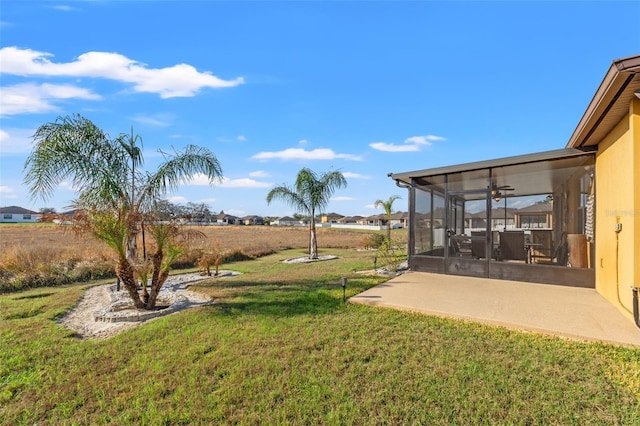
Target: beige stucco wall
(617, 257)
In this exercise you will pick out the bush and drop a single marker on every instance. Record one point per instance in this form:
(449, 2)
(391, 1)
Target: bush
(392, 254)
(373, 241)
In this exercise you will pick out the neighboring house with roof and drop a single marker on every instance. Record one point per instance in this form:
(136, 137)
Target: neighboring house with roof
(253, 220)
(398, 220)
(287, 221)
(351, 220)
(16, 214)
(475, 220)
(593, 188)
(375, 220)
(330, 217)
(499, 219)
(535, 216)
(226, 219)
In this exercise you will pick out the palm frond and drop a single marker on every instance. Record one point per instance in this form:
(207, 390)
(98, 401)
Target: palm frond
(290, 197)
(179, 169)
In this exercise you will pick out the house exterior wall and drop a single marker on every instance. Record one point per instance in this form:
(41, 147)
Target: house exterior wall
(18, 218)
(618, 201)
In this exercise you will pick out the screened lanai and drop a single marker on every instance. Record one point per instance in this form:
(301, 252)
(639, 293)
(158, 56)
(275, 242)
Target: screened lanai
(525, 218)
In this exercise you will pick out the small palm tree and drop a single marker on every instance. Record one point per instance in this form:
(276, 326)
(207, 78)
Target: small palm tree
(387, 205)
(310, 193)
(115, 197)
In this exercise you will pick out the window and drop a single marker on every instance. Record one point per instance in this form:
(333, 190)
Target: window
(7, 216)
(26, 217)
(533, 221)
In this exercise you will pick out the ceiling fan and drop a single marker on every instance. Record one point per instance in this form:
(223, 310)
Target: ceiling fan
(497, 192)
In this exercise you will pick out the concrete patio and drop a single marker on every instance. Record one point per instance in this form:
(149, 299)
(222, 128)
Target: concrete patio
(572, 312)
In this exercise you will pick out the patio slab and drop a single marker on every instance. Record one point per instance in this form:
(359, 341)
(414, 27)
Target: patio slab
(572, 312)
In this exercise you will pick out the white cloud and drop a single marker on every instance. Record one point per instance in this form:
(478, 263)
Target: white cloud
(370, 206)
(342, 198)
(200, 179)
(303, 142)
(29, 98)
(65, 184)
(241, 138)
(412, 144)
(302, 154)
(181, 80)
(349, 175)
(424, 140)
(259, 174)
(16, 141)
(177, 199)
(243, 183)
(7, 192)
(208, 200)
(388, 147)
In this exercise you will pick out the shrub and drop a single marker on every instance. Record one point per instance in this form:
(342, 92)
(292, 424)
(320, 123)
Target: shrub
(392, 254)
(373, 241)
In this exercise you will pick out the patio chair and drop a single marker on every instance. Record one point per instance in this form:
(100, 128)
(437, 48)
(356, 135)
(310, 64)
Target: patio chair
(478, 246)
(512, 245)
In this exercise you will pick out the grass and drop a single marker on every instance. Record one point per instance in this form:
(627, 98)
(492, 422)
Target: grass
(280, 347)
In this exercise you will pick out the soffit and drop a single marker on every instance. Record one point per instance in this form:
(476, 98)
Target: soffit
(610, 104)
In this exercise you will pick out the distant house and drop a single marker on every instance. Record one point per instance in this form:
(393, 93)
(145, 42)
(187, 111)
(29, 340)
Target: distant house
(330, 218)
(375, 220)
(287, 221)
(535, 216)
(399, 220)
(15, 214)
(351, 220)
(253, 220)
(226, 219)
(502, 221)
(476, 220)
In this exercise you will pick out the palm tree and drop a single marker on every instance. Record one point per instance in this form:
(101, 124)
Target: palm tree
(115, 196)
(387, 205)
(310, 193)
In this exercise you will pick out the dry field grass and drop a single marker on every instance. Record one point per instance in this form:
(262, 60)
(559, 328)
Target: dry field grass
(47, 254)
(246, 238)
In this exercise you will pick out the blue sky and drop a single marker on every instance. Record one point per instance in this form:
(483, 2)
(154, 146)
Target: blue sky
(366, 88)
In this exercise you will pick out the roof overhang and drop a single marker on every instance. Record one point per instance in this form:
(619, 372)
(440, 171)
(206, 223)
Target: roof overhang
(557, 154)
(610, 104)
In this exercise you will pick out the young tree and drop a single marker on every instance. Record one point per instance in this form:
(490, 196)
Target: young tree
(387, 205)
(310, 193)
(116, 197)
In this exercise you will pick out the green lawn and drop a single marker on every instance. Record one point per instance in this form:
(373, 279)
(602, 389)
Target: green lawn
(280, 347)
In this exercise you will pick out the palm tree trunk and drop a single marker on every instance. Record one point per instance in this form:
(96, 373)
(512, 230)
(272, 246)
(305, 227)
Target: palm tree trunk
(313, 242)
(159, 277)
(125, 272)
